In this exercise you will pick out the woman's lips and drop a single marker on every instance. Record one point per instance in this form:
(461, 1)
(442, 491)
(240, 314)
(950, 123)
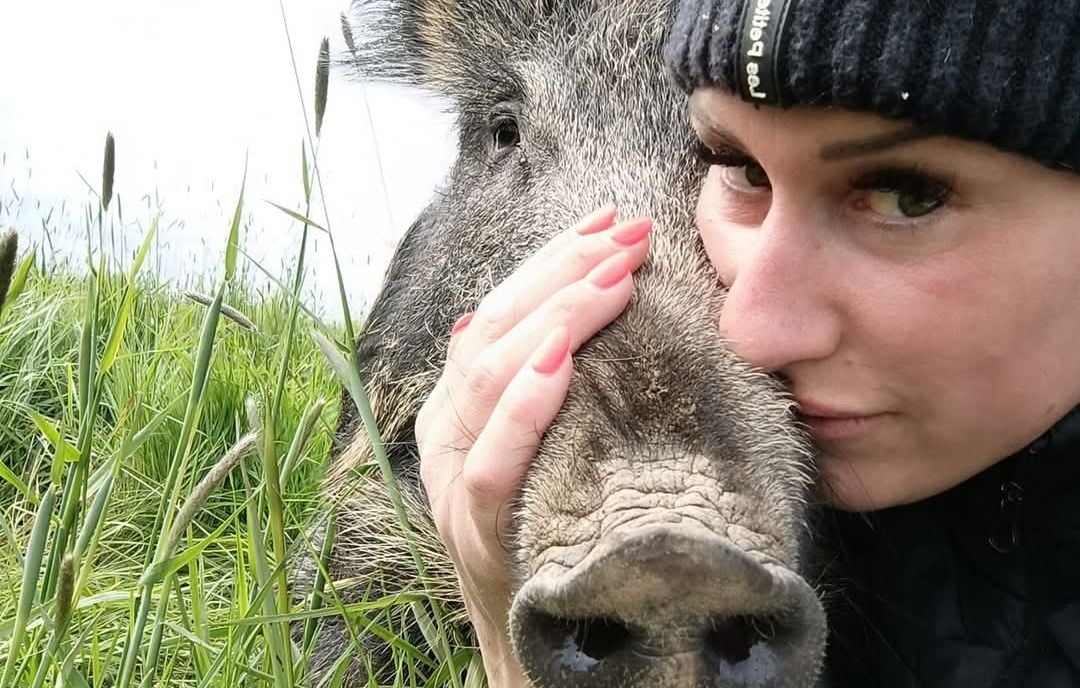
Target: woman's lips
(825, 423)
(833, 429)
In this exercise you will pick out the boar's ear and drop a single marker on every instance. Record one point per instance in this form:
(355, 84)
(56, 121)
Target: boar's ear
(446, 46)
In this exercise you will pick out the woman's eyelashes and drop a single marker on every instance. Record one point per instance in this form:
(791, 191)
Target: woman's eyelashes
(902, 193)
(721, 156)
(895, 193)
(741, 172)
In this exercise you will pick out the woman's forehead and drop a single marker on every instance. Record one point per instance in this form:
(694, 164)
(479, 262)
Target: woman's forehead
(814, 140)
(837, 134)
(806, 135)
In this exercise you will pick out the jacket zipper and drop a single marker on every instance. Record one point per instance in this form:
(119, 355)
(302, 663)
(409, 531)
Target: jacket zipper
(1006, 536)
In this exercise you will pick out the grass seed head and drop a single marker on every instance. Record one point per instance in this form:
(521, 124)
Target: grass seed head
(226, 310)
(65, 592)
(108, 171)
(9, 247)
(322, 83)
(206, 487)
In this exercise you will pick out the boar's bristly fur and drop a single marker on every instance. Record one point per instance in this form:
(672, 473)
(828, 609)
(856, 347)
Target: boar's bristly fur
(660, 534)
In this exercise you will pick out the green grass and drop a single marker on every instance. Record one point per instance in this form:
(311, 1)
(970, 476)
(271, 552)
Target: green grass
(149, 382)
(94, 429)
(160, 462)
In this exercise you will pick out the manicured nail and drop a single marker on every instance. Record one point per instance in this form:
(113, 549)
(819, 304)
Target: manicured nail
(550, 355)
(630, 233)
(611, 271)
(598, 220)
(461, 323)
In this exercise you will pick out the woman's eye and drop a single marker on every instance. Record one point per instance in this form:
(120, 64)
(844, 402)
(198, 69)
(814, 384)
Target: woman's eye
(901, 204)
(740, 171)
(902, 194)
(750, 175)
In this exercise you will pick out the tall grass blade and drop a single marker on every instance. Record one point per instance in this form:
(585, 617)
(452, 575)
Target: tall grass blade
(163, 568)
(7, 475)
(300, 438)
(173, 484)
(18, 280)
(298, 217)
(310, 626)
(68, 453)
(171, 495)
(116, 337)
(475, 676)
(349, 373)
(234, 230)
(257, 549)
(35, 550)
(306, 174)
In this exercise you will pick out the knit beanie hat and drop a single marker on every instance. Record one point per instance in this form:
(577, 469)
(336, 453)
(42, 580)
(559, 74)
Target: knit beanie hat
(1004, 72)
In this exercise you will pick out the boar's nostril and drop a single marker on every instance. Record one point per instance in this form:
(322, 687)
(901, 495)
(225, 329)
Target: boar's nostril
(664, 606)
(731, 639)
(591, 639)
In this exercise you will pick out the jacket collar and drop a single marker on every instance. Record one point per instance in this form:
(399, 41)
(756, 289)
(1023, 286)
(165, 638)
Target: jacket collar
(974, 586)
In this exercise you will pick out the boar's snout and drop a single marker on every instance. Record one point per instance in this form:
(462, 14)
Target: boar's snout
(669, 606)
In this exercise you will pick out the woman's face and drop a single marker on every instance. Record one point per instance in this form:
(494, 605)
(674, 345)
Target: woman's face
(920, 295)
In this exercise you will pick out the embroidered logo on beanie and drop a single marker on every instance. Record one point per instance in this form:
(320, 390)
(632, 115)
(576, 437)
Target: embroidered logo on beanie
(760, 46)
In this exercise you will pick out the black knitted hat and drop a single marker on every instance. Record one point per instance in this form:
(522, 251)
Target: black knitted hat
(1005, 72)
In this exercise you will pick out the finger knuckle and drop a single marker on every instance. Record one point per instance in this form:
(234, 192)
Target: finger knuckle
(483, 383)
(522, 414)
(495, 314)
(481, 483)
(587, 254)
(568, 307)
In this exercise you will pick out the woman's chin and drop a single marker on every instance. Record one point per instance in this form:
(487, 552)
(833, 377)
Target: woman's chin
(851, 484)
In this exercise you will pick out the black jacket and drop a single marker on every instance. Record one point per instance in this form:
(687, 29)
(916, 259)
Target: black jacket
(978, 587)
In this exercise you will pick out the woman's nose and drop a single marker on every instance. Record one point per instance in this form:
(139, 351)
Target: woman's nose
(780, 308)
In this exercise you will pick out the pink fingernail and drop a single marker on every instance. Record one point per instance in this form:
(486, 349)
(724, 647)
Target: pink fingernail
(630, 233)
(598, 220)
(461, 324)
(550, 355)
(610, 272)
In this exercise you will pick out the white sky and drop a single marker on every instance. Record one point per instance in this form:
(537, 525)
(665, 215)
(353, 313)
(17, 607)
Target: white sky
(188, 87)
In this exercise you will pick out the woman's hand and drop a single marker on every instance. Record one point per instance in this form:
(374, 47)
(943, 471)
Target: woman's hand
(507, 373)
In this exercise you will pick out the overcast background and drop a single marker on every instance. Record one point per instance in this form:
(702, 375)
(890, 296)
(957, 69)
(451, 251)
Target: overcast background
(188, 88)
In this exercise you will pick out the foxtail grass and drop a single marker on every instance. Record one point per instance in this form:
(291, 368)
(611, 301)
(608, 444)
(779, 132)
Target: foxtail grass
(160, 458)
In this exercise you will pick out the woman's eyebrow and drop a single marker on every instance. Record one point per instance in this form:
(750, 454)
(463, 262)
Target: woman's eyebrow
(830, 152)
(845, 150)
(704, 123)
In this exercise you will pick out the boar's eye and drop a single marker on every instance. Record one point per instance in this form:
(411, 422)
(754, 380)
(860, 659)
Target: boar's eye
(506, 134)
(503, 125)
